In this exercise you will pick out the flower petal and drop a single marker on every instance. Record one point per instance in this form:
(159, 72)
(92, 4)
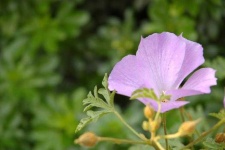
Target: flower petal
(127, 76)
(176, 94)
(224, 102)
(165, 106)
(201, 80)
(193, 58)
(161, 55)
(199, 83)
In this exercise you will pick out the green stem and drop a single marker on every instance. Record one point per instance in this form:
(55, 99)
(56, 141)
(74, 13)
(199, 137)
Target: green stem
(120, 141)
(182, 114)
(168, 136)
(203, 135)
(164, 128)
(152, 129)
(157, 145)
(128, 126)
(158, 112)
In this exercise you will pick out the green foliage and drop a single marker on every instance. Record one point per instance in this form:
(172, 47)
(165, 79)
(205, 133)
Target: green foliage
(148, 93)
(210, 144)
(54, 120)
(220, 115)
(50, 50)
(106, 105)
(144, 93)
(219, 65)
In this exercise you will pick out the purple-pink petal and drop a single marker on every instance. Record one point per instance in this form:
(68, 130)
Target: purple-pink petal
(201, 80)
(165, 106)
(199, 83)
(162, 62)
(126, 76)
(193, 58)
(162, 56)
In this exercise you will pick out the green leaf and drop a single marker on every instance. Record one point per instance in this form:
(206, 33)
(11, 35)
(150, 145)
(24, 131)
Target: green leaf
(104, 106)
(210, 143)
(219, 65)
(112, 95)
(92, 117)
(94, 101)
(144, 93)
(105, 91)
(105, 94)
(163, 96)
(105, 81)
(220, 115)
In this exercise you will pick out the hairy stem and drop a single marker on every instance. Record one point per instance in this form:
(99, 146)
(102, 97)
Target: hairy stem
(158, 111)
(165, 130)
(157, 145)
(120, 141)
(181, 109)
(168, 136)
(128, 126)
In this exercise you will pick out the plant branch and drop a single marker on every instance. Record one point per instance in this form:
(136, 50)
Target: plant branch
(120, 141)
(128, 126)
(158, 111)
(181, 109)
(203, 135)
(165, 130)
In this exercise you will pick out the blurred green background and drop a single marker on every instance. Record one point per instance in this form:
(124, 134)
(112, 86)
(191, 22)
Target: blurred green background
(52, 52)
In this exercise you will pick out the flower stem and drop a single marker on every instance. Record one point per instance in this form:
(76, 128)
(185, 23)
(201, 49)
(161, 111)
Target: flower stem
(158, 111)
(128, 126)
(181, 109)
(120, 141)
(168, 136)
(157, 145)
(203, 135)
(164, 128)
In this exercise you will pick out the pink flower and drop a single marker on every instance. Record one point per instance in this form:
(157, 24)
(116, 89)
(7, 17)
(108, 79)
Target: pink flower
(161, 63)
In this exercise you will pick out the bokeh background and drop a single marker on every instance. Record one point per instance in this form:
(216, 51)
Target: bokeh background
(52, 52)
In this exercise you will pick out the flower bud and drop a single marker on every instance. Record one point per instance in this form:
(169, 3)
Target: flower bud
(148, 112)
(145, 125)
(188, 127)
(155, 124)
(87, 139)
(220, 138)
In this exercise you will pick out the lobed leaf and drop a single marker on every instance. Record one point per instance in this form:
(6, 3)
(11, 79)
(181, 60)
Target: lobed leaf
(93, 116)
(94, 101)
(106, 105)
(144, 93)
(220, 115)
(165, 97)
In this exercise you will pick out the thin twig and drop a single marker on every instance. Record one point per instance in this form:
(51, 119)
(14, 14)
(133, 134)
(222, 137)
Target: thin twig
(165, 130)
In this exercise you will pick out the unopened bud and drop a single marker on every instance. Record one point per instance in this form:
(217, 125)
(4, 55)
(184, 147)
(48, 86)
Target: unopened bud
(145, 125)
(188, 127)
(149, 112)
(87, 139)
(155, 124)
(220, 138)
